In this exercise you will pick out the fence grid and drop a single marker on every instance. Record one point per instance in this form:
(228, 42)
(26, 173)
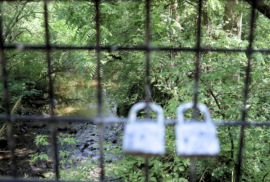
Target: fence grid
(100, 120)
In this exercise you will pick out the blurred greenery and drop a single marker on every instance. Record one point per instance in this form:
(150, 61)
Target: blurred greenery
(173, 24)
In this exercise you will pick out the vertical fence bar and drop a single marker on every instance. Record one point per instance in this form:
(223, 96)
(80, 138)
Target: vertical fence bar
(11, 142)
(48, 60)
(192, 169)
(147, 88)
(196, 84)
(147, 85)
(147, 39)
(244, 109)
(99, 91)
(146, 169)
(197, 62)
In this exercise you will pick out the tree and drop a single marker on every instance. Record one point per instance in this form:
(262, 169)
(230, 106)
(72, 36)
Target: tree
(173, 24)
(23, 23)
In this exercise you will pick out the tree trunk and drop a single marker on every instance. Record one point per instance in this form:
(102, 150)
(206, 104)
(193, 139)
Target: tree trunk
(232, 19)
(173, 9)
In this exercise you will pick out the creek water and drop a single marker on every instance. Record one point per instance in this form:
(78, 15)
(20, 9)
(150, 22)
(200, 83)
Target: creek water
(73, 97)
(78, 97)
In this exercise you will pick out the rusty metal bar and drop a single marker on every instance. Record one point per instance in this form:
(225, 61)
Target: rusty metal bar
(112, 120)
(28, 180)
(196, 84)
(99, 92)
(197, 63)
(132, 48)
(11, 141)
(48, 60)
(244, 109)
(147, 76)
(192, 170)
(107, 120)
(104, 0)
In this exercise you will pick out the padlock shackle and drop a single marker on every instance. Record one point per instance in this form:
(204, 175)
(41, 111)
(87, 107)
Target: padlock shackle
(141, 105)
(203, 108)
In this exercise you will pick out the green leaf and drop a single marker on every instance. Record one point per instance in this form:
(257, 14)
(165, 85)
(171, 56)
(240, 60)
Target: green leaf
(181, 168)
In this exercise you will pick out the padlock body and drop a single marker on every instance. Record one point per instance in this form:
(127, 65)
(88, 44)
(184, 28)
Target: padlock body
(197, 139)
(144, 138)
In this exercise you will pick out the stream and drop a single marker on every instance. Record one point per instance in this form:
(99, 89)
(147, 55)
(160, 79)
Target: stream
(73, 98)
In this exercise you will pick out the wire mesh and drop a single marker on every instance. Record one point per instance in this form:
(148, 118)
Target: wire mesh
(100, 120)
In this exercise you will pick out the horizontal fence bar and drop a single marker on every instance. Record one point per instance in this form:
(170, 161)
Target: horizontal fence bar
(136, 48)
(28, 180)
(112, 120)
(102, 0)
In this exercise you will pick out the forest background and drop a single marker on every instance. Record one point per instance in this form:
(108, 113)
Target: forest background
(225, 24)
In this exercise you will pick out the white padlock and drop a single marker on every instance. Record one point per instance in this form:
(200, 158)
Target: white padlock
(196, 138)
(146, 137)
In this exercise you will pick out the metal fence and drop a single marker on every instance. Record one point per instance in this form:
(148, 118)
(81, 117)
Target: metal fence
(100, 120)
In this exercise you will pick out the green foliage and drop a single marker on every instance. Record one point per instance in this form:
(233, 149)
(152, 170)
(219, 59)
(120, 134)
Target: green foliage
(67, 138)
(64, 154)
(122, 23)
(85, 172)
(27, 70)
(41, 140)
(169, 167)
(26, 176)
(41, 156)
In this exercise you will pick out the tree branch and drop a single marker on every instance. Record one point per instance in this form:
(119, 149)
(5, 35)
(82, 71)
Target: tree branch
(26, 29)
(15, 17)
(12, 64)
(261, 7)
(14, 37)
(223, 115)
(264, 176)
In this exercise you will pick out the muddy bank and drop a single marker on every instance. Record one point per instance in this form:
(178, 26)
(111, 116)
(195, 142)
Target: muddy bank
(73, 97)
(86, 150)
(24, 147)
